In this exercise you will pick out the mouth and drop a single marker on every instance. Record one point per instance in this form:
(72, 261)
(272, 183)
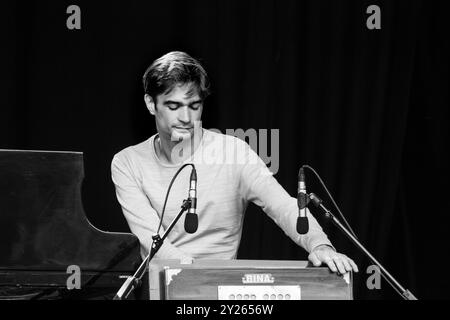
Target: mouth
(183, 128)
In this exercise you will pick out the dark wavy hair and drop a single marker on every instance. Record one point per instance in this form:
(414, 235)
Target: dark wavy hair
(175, 68)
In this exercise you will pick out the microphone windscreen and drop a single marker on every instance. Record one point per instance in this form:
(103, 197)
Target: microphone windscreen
(191, 222)
(302, 225)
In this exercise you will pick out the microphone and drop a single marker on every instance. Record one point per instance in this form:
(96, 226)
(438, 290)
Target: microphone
(191, 220)
(302, 202)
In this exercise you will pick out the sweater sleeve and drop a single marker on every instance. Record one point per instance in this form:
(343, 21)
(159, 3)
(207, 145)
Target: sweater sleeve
(142, 219)
(259, 186)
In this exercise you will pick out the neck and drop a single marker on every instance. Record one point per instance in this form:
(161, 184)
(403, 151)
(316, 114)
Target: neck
(175, 152)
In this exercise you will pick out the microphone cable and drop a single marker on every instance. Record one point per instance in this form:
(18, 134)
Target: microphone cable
(331, 197)
(168, 191)
(345, 221)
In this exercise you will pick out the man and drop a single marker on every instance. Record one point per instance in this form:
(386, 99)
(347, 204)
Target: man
(230, 174)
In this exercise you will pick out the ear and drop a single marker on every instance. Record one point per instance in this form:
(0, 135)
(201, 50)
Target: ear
(150, 104)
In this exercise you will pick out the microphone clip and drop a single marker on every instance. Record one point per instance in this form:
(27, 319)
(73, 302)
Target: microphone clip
(303, 200)
(187, 203)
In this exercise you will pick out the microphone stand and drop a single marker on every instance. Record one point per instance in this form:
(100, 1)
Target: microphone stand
(406, 294)
(134, 281)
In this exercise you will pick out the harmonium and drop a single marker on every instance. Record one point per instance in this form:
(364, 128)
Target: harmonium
(245, 280)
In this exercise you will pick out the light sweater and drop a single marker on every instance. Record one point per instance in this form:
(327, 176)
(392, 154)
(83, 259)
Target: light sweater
(230, 174)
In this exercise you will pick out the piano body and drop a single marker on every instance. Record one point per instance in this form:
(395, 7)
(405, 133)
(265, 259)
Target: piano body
(45, 237)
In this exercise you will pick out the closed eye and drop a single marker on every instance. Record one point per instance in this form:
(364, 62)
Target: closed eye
(173, 106)
(195, 106)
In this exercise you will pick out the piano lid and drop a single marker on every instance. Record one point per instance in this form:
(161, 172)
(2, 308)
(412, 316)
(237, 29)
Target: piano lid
(42, 223)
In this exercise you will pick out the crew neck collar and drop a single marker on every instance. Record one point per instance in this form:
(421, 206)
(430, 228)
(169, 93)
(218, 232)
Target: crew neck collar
(189, 159)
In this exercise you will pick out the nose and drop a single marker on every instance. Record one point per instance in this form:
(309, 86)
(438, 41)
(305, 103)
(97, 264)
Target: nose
(184, 115)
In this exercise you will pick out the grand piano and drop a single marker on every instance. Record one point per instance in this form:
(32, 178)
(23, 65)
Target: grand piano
(45, 237)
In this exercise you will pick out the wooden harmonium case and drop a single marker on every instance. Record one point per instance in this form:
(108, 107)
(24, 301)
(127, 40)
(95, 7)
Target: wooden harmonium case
(246, 280)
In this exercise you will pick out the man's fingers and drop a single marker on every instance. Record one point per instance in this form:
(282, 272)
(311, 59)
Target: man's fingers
(315, 260)
(349, 264)
(353, 264)
(346, 263)
(339, 265)
(186, 260)
(335, 261)
(331, 264)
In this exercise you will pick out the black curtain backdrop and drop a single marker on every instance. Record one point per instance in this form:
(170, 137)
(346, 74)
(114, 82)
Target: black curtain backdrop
(368, 109)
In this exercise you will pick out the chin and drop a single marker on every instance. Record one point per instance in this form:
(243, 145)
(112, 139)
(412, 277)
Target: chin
(179, 136)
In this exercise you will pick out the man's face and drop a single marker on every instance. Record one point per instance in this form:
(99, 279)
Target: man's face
(176, 112)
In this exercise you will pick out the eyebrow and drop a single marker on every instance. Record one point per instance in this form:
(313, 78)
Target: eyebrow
(178, 103)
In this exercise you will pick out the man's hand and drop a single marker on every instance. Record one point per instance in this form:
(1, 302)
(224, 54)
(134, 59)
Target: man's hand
(337, 262)
(186, 260)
